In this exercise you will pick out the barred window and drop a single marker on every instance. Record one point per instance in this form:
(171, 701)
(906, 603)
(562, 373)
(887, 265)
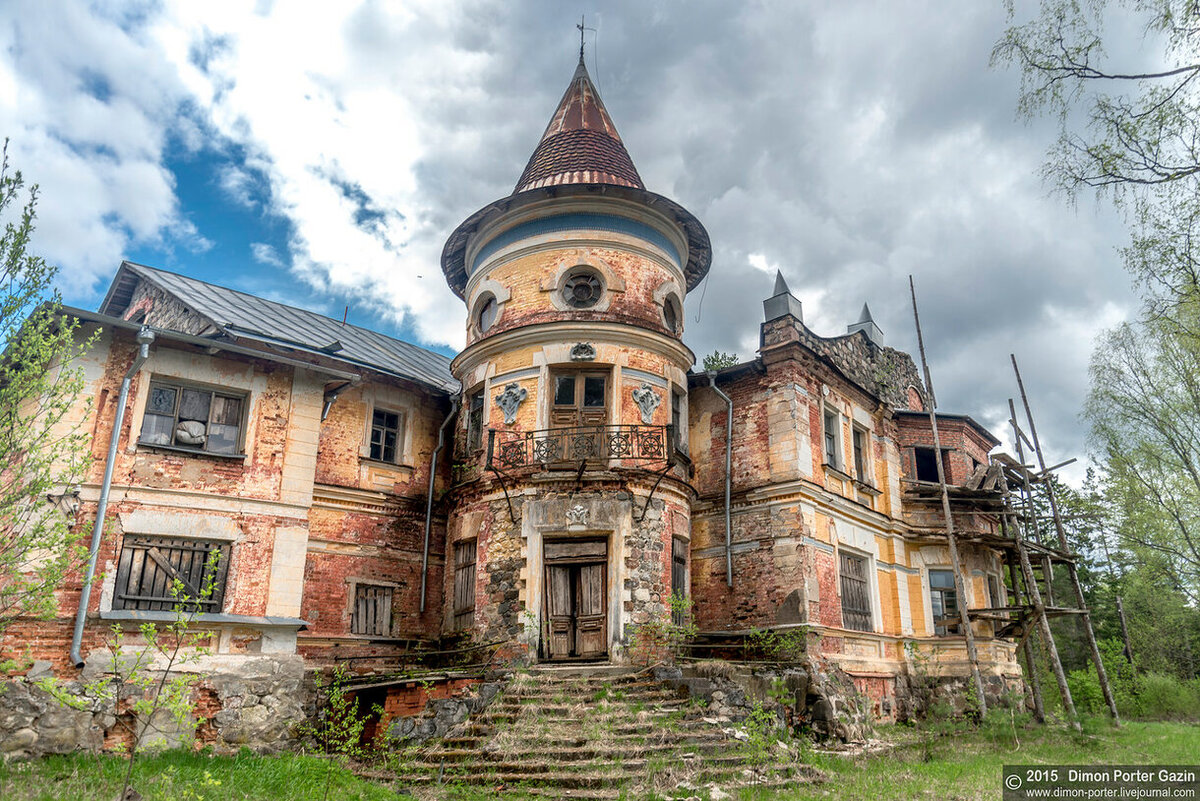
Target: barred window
(372, 614)
(199, 419)
(150, 566)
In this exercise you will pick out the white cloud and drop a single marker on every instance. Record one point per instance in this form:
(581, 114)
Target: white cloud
(265, 254)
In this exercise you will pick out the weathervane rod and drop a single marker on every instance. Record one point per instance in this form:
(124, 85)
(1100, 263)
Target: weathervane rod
(582, 22)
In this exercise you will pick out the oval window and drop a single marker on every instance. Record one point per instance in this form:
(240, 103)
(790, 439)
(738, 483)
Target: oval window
(671, 315)
(582, 290)
(487, 314)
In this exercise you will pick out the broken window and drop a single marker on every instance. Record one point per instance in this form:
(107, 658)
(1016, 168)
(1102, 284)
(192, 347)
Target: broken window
(943, 597)
(149, 568)
(475, 421)
(464, 584)
(925, 464)
(856, 595)
(679, 588)
(372, 614)
(386, 435)
(180, 416)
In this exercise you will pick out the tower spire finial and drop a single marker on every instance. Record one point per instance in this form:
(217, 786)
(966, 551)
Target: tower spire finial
(582, 22)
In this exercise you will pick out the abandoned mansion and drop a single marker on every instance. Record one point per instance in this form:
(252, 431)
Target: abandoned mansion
(541, 496)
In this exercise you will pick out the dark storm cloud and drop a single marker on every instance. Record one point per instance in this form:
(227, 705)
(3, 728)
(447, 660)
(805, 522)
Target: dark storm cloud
(847, 145)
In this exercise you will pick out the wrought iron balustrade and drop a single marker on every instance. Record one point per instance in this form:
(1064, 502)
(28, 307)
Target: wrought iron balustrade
(510, 450)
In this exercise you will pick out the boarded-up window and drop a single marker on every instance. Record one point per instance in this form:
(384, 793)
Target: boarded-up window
(150, 566)
(856, 596)
(679, 588)
(464, 584)
(372, 613)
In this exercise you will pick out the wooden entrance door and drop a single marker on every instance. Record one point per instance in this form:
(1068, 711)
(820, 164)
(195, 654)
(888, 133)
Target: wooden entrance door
(577, 599)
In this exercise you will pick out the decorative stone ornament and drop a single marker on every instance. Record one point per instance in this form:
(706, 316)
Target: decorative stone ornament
(583, 352)
(577, 515)
(510, 400)
(647, 400)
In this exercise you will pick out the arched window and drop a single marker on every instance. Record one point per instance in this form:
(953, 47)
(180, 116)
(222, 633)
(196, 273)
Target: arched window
(488, 311)
(671, 314)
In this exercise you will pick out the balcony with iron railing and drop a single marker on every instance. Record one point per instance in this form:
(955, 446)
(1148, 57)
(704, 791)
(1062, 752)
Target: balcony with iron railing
(598, 445)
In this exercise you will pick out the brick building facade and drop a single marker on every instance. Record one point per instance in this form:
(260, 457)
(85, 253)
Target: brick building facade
(544, 492)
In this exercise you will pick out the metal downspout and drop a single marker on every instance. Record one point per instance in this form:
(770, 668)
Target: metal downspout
(144, 337)
(429, 501)
(712, 381)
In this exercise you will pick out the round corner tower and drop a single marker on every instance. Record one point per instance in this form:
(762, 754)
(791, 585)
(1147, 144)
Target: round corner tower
(570, 516)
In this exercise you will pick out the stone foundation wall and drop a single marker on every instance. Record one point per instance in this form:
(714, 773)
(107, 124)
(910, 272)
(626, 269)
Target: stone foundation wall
(257, 703)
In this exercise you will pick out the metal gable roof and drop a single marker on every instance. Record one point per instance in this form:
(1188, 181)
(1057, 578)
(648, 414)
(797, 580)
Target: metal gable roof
(246, 316)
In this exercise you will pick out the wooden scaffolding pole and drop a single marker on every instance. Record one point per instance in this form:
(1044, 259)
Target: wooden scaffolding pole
(1066, 549)
(1027, 635)
(960, 587)
(1031, 586)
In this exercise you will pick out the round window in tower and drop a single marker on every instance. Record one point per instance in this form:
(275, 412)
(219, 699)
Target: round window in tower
(488, 311)
(671, 314)
(582, 289)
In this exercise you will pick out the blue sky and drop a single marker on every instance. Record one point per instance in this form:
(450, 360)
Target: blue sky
(320, 153)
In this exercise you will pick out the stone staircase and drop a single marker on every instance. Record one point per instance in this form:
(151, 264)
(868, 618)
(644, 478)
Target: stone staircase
(595, 732)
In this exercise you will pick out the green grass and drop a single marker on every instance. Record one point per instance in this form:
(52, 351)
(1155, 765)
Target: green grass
(178, 775)
(947, 761)
(959, 762)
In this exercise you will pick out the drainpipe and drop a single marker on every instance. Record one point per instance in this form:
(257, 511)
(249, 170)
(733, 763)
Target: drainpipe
(712, 382)
(429, 501)
(144, 337)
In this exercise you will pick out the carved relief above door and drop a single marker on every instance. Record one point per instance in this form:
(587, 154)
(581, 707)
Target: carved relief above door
(576, 599)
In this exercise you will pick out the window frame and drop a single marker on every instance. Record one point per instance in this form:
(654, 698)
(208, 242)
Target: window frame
(476, 405)
(214, 391)
(864, 616)
(579, 408)
(357, 625)
(157, 599)
(941, 593)
(933, 452)
(400, 433)
(579, 273)
(487, 301)
(835, 458)
(462, 590)
(861, 455)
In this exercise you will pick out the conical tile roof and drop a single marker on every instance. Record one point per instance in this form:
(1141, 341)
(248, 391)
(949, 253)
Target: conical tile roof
(581, 144)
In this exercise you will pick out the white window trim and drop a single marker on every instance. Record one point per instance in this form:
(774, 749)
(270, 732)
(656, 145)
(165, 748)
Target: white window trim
(838, 457)
(872, 587)
(388, 402)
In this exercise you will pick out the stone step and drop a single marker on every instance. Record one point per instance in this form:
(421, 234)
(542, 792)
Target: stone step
(548, 775)
(623, 706)
(641, 735)
(575, 753)
(491, 726)
(509, 763)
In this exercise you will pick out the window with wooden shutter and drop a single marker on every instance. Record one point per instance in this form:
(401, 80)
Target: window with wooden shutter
(150, 566)
(372, 614)
(856, 594)
(464, 584)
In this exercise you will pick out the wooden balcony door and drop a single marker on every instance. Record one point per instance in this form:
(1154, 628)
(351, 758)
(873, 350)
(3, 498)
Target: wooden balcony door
(580, 399)
(577, 599)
